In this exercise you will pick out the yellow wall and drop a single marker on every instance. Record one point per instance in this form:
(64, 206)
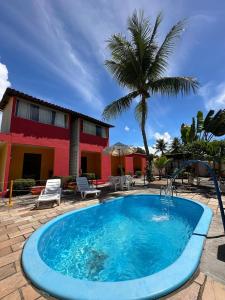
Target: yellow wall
(17, 155)
(3, 154)
(93, 162)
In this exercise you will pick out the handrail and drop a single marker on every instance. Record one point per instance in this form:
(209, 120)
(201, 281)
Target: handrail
(213, 175)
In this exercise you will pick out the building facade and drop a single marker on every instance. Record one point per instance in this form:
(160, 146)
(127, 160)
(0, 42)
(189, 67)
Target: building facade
(39, 140)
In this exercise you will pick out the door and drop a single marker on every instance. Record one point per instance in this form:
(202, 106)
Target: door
(84, 164)
(32, 166)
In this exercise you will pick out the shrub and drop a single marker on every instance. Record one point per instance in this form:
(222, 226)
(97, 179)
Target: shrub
(22, 186)
(90, 176)
(65, 180)
(138, 173)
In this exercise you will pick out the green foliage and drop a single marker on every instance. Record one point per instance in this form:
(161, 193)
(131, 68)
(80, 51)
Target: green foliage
(66, 179)
(192, 133)
(22, 186)
(90, 176)
(185, 130)
(160, 163)
(139, 63)
(176, 146)
(213, 151)
(197, 149)
(200, 122)
(212, 125)
(138, 173)
(140, 150)
(161, 146)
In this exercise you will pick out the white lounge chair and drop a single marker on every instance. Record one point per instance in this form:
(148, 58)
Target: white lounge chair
(52, 192)
(84, 188)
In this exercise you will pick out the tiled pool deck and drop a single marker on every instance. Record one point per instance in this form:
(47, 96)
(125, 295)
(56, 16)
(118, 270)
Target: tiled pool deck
(18, 223)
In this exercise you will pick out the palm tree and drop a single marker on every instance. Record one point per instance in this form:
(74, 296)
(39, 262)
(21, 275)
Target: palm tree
(160, 163)
(139, 63)
(175, 145)
(161, 146)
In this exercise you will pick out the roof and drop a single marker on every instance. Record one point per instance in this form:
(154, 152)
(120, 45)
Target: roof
(12, 92)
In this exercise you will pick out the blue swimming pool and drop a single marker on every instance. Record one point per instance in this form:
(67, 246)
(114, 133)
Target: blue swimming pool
(133, 247)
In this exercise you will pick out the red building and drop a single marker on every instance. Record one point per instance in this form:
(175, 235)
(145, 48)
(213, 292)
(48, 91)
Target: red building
(39, 139)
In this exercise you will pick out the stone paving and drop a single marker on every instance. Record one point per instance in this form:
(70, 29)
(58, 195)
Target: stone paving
(20, 221)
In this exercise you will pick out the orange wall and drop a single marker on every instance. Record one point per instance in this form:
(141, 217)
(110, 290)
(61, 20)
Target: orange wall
(93, 162)
(17, 154)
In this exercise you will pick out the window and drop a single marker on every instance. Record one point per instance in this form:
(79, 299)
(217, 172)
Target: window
(60, 119)
(93, 129)
(98, 130)
(40, 114)
(45, 116)
(53, 117)
(89, 127)
(34, 112)
(22, 109)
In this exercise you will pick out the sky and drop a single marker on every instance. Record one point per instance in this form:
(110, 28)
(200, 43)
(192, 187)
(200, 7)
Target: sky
(55, 50)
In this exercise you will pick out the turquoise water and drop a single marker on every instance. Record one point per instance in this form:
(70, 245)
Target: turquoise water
(120, 240)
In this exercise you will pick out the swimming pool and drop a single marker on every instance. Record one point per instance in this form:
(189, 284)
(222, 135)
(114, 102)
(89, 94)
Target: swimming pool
(133, 247)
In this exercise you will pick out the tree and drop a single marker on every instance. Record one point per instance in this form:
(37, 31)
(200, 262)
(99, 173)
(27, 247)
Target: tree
(161, 146)
(212, 125)
(175, 145)
(188, 132)
(139, 63)
(140, 150)
(160, 163)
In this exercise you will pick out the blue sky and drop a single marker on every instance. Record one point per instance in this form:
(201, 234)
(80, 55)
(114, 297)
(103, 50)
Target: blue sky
(55, 50)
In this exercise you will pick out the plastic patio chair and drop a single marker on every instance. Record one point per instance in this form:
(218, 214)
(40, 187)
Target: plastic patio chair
(114, 182)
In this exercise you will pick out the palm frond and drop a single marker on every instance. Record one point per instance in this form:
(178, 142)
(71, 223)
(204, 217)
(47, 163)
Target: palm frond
(172, 86)
(141, 110)
(158, 21)
(140, 32)
(118, 106)
(160, 63)
(124, 64)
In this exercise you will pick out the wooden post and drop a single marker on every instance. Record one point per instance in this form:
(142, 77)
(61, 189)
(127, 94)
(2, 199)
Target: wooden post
(10, 193)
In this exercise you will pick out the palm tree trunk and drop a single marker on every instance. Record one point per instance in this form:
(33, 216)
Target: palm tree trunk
(148, 155)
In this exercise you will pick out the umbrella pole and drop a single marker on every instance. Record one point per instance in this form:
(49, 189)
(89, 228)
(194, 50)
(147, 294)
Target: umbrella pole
(121, 167)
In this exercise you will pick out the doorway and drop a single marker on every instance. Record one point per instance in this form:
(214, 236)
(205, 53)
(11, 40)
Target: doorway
(32, 166)
(84, 164)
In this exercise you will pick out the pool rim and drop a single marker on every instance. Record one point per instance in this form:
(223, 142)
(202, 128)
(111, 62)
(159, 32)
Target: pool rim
(150, 287)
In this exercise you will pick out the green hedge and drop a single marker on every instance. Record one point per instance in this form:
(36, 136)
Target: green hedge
(22, 186)
(138, 173)
(90, 176)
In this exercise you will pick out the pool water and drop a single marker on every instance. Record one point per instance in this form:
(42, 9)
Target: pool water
(125, 239)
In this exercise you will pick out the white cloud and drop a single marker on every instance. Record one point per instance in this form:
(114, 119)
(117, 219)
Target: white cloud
(127, 128)
(213, 95)
(4, 83)
(165, 136)
(4, 80)
(55, 49)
